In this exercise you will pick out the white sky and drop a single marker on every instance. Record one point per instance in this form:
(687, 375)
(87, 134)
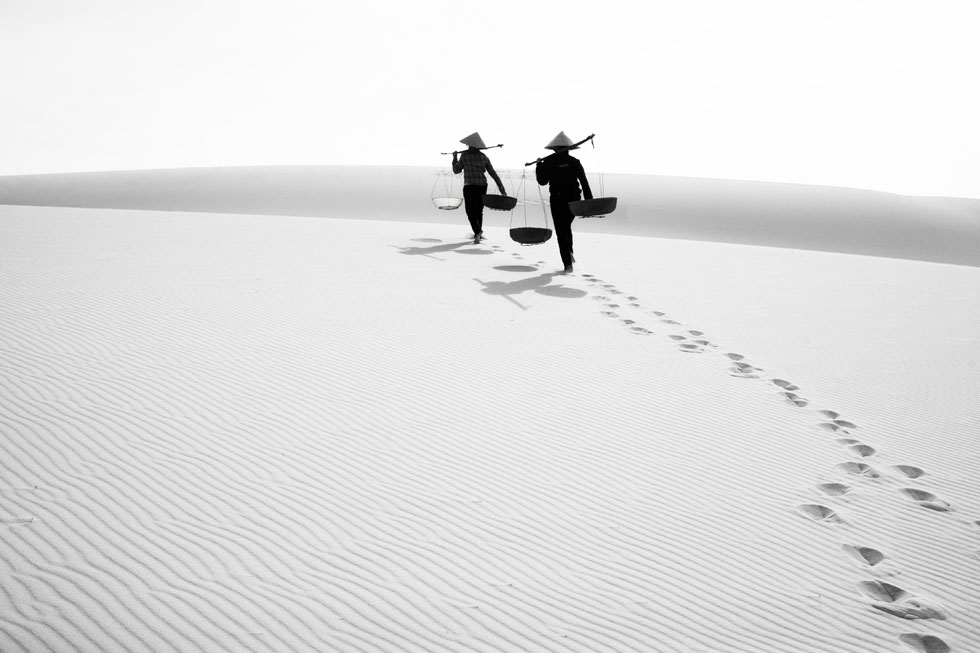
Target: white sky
(878, 94)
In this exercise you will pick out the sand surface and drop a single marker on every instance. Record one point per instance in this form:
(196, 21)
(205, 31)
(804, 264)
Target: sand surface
(233, 432)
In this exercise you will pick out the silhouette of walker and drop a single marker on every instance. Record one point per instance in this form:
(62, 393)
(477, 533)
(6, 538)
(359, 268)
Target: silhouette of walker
(475, 165)
(563, 173)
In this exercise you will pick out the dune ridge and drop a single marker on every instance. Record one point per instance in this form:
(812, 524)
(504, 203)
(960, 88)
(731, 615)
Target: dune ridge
(842, 220)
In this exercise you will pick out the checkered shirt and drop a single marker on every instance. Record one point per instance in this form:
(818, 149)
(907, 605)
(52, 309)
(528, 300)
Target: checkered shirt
(473, 165)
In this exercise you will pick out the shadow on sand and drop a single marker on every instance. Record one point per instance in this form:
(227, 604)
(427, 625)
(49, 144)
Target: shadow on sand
(541, 284)
(432, 250)
(515, 268)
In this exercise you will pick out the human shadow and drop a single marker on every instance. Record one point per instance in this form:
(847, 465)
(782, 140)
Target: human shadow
(541, 284)
(431, 250)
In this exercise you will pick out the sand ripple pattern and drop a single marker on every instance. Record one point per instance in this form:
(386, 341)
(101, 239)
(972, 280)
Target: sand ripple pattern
(231, 434)
(859, 474)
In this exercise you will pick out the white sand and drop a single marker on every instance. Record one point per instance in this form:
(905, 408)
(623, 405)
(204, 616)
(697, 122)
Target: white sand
(254, 433)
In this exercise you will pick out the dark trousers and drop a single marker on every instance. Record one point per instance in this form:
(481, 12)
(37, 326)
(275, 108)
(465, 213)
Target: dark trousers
(473, 201)
(562, 216)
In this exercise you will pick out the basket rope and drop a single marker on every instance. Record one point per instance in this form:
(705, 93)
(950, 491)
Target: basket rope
(522, 191)
(602, 183)
(529, 235)
(448, 181)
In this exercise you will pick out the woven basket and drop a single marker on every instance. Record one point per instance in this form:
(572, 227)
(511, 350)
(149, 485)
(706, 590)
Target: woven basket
(530, 235)
(594, 208)
(447, 203)
(499, 202)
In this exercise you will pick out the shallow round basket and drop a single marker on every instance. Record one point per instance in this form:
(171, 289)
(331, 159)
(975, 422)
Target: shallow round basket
(499, 202)
(530, 235)
(447, 203)
(595, 208)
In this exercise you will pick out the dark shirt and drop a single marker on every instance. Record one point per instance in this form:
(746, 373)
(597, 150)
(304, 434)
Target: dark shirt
(563, 173)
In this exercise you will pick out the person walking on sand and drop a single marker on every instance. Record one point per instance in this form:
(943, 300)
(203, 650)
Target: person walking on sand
(475, 165)
(563, 173)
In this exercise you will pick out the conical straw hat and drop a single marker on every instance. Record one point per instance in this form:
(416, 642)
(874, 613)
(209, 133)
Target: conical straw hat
(560, 141)
(474, 140)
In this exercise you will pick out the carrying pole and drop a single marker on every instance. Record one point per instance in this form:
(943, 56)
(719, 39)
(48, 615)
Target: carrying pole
(571, 147)
(479, 148)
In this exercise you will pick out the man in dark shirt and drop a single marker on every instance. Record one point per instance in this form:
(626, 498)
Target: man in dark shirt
(563, 173)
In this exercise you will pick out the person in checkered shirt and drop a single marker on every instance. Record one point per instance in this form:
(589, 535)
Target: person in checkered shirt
(475, 165)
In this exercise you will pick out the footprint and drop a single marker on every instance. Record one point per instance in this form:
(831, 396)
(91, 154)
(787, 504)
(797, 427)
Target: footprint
(862, 450)
(926, 499)
(859, 469)
(834, 489)
(744, 370)
(899, 603)
(659, 314)
(924, 643)
(696, 333)
(610, 314)
(817, 512)
(627, 322)
(844, 424)
(882, 591)
(785, 385)
(910, 471)
(864, 554)
(691, 349)
(638, 329)
(612, 305)
(912, 608)
(829, 414)
(833, 428)
(677, 337)
(796, 400)
(736, 357)
(670, 322)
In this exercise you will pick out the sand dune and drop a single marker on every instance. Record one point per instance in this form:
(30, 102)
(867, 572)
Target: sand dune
(943, 230)
(253, 433)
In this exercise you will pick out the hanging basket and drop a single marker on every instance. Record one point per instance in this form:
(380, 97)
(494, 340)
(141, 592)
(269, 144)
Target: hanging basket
(447, 203)
(499, 202)
(530, 235)
(598, 207)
